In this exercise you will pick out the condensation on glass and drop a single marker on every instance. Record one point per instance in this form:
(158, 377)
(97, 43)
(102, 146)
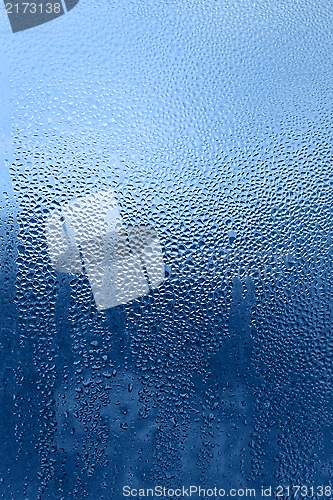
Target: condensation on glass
(120, 263)
(166, 248)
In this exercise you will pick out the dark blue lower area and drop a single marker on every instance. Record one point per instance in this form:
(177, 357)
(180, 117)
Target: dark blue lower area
(157, 392)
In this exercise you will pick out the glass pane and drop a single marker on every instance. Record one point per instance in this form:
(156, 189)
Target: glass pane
(166, 251)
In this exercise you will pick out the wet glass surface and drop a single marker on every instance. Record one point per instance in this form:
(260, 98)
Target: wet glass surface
(210, 122)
